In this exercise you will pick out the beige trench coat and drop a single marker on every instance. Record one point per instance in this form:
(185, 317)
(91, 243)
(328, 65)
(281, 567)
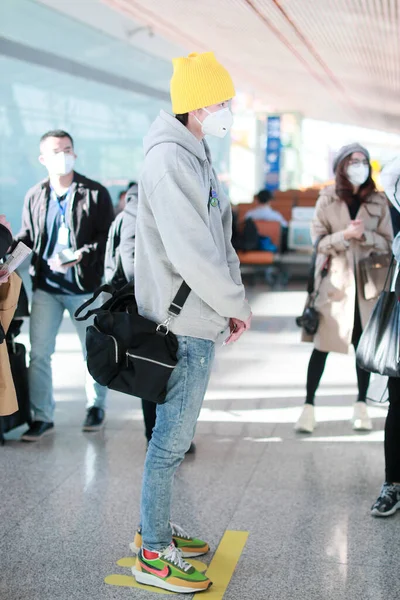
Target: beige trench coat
(337, 295)
(9, 294)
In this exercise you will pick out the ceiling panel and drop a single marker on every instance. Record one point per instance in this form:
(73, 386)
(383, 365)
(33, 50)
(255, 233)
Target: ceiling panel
(331, 59)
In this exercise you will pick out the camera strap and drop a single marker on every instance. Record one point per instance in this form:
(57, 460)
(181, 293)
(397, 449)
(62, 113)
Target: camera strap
(313, 294)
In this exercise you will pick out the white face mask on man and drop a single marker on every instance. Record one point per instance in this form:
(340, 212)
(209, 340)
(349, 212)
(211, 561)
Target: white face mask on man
(60, 163)
(358, 173)
(217, 123)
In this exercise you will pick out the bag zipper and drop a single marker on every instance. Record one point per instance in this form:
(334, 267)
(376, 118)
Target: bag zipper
(114, 340)
(156, 362)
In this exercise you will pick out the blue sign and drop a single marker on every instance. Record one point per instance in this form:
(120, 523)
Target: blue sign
(273, 154)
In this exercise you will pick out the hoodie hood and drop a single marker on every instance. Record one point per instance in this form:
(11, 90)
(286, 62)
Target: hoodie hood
(167, 129)
(132, 194)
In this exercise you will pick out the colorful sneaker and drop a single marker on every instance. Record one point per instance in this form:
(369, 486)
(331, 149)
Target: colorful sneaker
(168, 570)
(388, 501)
(189, 546)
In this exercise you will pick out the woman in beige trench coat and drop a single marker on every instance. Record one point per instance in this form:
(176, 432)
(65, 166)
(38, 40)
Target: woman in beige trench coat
(352, 221)
(9, 294)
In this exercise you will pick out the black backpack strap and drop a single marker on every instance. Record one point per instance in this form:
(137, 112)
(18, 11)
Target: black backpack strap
(179, 300)
(103, 288)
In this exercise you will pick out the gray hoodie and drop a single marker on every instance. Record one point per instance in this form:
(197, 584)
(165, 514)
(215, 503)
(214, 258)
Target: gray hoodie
(180, 236)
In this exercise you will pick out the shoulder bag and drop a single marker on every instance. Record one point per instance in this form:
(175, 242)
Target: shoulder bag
(379, 347)
(127, 352)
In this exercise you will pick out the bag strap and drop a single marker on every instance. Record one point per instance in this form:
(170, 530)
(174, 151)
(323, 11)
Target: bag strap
(175, 308)
(177, 303)
(389, 274)
(103, 288)
(324, 273)
(311, 274)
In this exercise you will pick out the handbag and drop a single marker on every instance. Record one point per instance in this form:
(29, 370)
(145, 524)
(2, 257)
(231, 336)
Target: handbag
(309, 320)
(379, 347)
(19, 372)
(127, 352)
(373, 271)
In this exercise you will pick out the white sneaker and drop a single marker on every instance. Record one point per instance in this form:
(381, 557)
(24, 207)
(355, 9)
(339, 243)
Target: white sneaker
(360, 419)
(306, 422)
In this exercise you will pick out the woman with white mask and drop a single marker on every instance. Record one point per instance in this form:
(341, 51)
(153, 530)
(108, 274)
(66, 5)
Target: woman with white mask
(351, 222)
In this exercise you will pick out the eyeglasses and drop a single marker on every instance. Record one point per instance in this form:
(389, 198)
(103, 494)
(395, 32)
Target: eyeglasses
(358, 162)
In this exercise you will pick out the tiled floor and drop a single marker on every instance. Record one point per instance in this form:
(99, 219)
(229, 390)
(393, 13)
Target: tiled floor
(69, 505)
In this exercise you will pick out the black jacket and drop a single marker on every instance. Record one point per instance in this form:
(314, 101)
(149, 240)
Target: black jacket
(5, 240)
(89, 217)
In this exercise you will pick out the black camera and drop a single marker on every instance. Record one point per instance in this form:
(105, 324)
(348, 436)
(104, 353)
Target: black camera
(309, 320)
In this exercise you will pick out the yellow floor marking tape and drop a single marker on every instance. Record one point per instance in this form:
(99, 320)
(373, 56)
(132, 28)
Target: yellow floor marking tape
(127, 562)
(220, 570)
(224, 563)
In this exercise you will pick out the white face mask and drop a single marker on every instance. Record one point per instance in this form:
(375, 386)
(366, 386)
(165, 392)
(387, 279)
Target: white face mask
(217, 123)
(60, 163)
(357, 174)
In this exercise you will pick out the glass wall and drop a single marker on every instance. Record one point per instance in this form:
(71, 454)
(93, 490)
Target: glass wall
(41, 91)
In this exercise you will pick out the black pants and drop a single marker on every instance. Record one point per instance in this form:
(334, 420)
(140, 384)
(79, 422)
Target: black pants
(392, 433)
(317, 363)
(149, 415)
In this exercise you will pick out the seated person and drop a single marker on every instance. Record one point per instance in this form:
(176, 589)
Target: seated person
(264, 212)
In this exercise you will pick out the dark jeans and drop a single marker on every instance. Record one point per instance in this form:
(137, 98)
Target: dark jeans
(149, 415)
(392, 433)
(317, 363)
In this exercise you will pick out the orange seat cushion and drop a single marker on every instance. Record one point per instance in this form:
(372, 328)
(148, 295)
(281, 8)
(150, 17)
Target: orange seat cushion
(256, 257)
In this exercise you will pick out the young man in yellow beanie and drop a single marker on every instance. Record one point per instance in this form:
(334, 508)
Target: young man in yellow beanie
(183, 233)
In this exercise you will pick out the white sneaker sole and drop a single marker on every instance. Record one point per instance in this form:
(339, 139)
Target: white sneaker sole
(376, 513)
(361, 425)
(135, 550)
(147, 579)
(94, 427)
(36, 438)
(303, 429)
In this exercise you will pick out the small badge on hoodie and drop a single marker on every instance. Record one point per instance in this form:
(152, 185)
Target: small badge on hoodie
(214, 201)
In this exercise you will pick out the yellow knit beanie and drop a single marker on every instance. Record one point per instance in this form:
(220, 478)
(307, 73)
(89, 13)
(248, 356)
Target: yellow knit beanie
(199, 80)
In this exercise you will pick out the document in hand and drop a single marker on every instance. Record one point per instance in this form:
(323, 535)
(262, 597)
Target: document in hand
(15, 259)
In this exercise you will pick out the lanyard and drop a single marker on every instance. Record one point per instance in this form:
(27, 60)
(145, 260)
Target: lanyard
(62, 202)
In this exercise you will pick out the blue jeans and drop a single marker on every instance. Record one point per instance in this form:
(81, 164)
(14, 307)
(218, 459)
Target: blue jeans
(172, 435)
(46, 317)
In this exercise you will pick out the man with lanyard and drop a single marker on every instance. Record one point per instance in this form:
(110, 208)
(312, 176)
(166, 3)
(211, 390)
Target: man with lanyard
(65, 221)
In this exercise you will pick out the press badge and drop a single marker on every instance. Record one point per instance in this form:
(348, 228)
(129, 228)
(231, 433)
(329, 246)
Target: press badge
(63, 235)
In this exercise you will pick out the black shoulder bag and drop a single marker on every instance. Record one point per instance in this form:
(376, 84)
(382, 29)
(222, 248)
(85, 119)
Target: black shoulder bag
(309, 320)
(378, 350)
(127, 352)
